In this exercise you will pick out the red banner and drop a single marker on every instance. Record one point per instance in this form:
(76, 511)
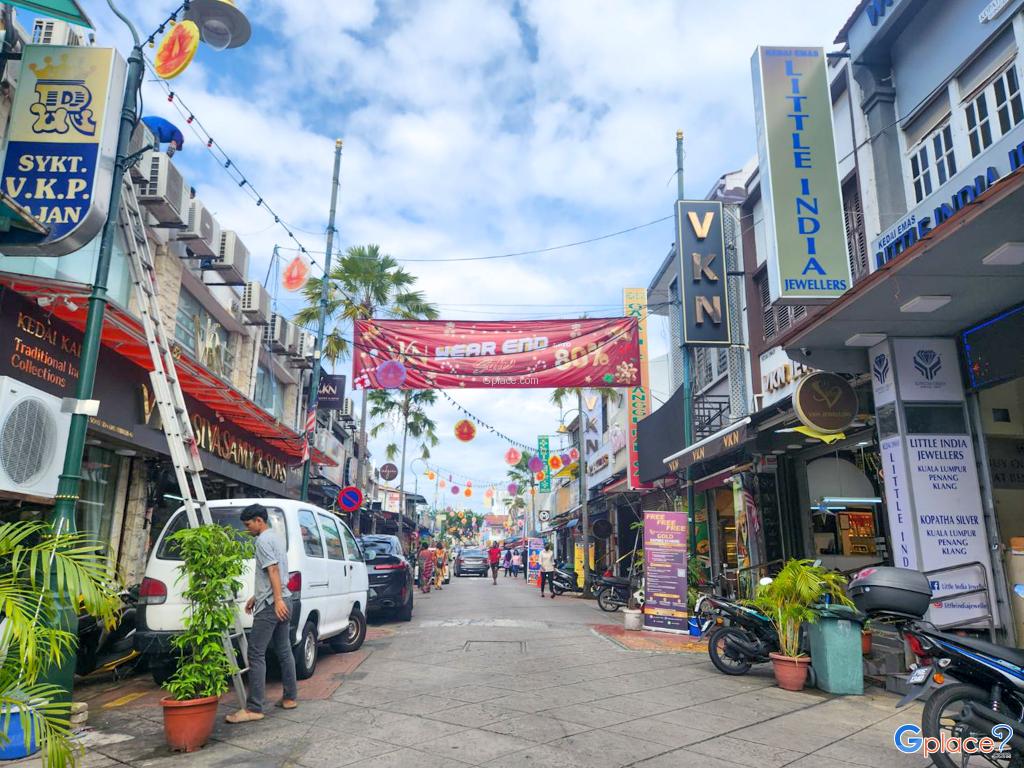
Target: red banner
(439, 354)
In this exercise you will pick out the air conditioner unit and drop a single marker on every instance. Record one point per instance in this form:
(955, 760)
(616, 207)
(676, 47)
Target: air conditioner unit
(291, 341)
(142, 138)
(305, 344)
(163, 191)
(348, 408)
(202, 232)
(275, 333)
(33, 435)
(255, 304)
(49, 32)
(232, 259)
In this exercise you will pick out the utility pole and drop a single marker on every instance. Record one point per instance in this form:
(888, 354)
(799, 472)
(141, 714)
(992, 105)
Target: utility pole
(361, 465)
(687, 384)
(314, 383)
(584, 510)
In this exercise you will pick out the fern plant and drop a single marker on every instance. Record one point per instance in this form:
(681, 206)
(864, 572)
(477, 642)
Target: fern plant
(42, 570)
(214, 559)
(789, 599)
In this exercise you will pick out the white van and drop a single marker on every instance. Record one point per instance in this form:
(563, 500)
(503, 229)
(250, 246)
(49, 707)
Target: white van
(326, 575)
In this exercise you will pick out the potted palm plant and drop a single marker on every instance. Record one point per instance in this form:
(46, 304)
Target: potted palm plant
(42, 570)
(214, 559)
(789, 600)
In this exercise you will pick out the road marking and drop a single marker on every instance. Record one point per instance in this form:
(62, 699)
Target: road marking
(128, 698)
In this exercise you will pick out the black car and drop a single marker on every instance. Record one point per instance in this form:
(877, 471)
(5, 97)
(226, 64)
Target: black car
(391, 575)
(471, 561)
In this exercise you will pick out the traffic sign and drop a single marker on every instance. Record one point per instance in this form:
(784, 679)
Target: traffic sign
(350, 498)
(389, 472)
(544, 515)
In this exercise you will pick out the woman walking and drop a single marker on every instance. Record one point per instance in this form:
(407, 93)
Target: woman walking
(428, 558)
(547, 570)
(442, 564)
(507, 562)
(517, 563)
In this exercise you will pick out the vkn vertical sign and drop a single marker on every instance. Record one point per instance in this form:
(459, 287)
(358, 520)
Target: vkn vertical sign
(701, 245)
(803, 211)
(62, 142)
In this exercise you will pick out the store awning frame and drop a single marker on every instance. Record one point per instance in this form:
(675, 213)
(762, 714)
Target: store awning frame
(124, 334)
(715, 445)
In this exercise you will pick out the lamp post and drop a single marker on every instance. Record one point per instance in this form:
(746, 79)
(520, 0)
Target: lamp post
(68, 486)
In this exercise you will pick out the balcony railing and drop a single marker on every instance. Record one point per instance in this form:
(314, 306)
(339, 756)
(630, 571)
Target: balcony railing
(710, 414)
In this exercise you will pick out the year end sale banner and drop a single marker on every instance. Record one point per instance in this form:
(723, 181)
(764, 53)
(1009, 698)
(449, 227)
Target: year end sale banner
(665, 540)
(438, 354)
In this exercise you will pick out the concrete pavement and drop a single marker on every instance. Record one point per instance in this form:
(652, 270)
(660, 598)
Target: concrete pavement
(496, 676)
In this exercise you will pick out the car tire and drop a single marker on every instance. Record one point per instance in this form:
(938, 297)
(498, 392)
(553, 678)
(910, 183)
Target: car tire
(161, 670)
(353, 636)
(405, 612)
(305, 652)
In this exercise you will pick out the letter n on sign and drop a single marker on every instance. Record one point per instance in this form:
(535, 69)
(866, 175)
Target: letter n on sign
(700, 245)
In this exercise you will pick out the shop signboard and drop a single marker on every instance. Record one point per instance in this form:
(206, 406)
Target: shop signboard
(928, 370)
(825, 402)
(544, 453)
(701, 249)
(779, 375)
(388, 472)
(578, 562)
(535, 546)
(61, 143)
(638, 395)
(1006, 462)
(665, 561)
(331, 392)
(898, 503)
(803, 214)
(392, 501)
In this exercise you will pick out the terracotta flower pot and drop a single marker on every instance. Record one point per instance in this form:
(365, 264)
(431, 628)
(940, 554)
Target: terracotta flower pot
(865, 642)
(188, 724)
(790, 672)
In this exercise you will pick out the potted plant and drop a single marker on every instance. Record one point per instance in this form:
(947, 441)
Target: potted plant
(789, 600)
(42, 571)
(866, 639)
(214, 559)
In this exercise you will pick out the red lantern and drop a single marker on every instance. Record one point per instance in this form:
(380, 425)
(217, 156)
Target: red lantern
(295, 274)
(555, 463)
(468, 492)
(465, 430)
(574, 454)
(512, 456)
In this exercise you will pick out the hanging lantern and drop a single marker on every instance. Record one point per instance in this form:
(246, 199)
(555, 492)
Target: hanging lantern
(566, 460)
(469, 483)
(441, 483)
(536, 464)
(555, 463)
(512, 456)
(455, 490)
(539, 477)
(513, 488)
(431, 475)
(489, 493)
(391, 374)
(533, 491)
(574, 454)
(296, 274)
(468, 492)
(465, 430)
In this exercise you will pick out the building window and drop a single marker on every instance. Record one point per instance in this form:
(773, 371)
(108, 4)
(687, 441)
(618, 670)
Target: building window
(856, 238)
(1009, 108)
(921, 173)
(269, 394)
(203, 337)
(776, 318)
(934, 154)
(979, 127)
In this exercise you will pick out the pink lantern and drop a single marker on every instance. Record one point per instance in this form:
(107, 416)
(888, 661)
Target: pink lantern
(513, 488)
(391, 374)
(574, 454)
(536, 464)
(512, 456)
(469, 483)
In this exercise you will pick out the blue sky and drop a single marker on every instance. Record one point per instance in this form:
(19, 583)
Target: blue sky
(475, 128)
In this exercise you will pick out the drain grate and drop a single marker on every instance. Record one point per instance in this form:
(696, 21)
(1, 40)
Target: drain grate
(495, 647)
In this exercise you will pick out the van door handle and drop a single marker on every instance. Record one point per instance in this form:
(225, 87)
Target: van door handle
(319, 583)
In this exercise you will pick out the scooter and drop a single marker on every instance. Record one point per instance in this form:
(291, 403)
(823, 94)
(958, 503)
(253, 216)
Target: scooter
(614, 592)
(744, 638)
(102, 649)
(564, 580)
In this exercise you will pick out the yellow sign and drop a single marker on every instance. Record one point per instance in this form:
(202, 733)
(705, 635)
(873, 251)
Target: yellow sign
(578, 560)
(62, 142)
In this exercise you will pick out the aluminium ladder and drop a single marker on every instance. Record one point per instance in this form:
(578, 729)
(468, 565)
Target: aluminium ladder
(181, 439)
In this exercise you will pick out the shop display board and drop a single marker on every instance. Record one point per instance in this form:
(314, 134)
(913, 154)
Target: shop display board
(665, 554)
(533, 562)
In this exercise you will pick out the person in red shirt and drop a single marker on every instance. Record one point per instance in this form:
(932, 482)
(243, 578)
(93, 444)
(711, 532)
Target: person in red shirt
(494, 557)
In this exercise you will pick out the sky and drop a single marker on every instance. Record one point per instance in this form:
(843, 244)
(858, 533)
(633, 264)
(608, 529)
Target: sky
(476, 128)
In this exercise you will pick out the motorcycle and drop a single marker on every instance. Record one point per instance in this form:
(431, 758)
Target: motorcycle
(614, 592)
(987, 698)
(744, 638)
(109, 649)
(564, 580)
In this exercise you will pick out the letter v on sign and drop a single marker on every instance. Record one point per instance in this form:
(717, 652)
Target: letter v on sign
(701, 227)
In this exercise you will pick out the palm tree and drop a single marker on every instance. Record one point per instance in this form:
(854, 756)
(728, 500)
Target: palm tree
(365, 283)
(407, 408)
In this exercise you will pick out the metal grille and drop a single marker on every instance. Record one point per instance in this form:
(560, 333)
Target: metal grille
(27, 440)
(736, 358)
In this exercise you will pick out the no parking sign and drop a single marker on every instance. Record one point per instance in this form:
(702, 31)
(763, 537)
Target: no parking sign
(350, 498)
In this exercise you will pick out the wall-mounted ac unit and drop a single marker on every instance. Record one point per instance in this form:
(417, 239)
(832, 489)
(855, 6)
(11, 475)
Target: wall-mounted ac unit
(202, 232)
(305, 343)
(276, 333)
(348, 409)
(232, 259)
(291, 343)
(142, 138)
(255, 304)
(33, 435)
(163, 191)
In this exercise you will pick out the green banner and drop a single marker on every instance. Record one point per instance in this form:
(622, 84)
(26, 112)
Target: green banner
(544, 453)
(803, 209)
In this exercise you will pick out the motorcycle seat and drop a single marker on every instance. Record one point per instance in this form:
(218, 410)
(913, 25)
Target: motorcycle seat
(1012, 655)
(616, 580)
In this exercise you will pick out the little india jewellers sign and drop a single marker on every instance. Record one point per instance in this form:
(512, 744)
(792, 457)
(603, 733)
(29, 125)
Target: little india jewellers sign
(62, 141)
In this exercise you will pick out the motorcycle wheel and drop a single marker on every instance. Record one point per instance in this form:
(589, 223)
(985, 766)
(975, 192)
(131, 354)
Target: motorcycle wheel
(941, 713)
(606, 600)
(719, 653)
(557, 588)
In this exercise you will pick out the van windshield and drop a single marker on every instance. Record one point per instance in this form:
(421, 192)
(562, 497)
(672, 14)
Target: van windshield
(229, 516)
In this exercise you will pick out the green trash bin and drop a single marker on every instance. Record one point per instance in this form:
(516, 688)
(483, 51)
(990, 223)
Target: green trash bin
(836, 649)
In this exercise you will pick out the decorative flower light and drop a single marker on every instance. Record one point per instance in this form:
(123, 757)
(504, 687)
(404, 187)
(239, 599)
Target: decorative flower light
(512, 456)
(574, 454)
(536, 464)
(465, 430)
(566, 460)
(468, 492)
(540, 477)
(441, 483)
(513, 488)
(555, 462)
(391, 374)
(296, 274)
(455, 490)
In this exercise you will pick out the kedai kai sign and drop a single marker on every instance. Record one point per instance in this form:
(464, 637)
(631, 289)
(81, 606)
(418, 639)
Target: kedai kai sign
(803, 212)
(62, 142)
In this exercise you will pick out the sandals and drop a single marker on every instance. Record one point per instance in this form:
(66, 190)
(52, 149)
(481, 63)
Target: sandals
(287, 704)
(243, 716)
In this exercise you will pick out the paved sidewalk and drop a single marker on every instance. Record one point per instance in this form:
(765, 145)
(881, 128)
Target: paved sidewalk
(495, 676)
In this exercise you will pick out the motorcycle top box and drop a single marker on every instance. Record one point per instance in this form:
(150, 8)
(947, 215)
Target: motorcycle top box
(896, 591)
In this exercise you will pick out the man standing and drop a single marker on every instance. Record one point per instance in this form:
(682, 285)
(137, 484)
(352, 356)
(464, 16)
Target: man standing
(493, 558)
(547, 570)
(270, 618)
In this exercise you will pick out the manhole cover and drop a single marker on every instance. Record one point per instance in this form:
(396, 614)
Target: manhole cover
(493, 647)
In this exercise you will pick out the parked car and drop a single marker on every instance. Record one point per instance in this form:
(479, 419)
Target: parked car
(327, 578)
(471, 561)
(391, 577)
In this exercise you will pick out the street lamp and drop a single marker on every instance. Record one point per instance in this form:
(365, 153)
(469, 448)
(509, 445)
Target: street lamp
(63, 518)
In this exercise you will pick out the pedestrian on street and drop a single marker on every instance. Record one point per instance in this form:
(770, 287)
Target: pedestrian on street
(428, 558)
(517, 563)
(270, 612)
(442, 564)
(507, 562)
(547, 570)
(493, 558)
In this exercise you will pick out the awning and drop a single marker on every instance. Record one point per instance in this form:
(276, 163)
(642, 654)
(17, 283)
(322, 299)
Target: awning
(65, 10)
(14, 215)
(724, 440)
(948, 261)
(123, 333)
